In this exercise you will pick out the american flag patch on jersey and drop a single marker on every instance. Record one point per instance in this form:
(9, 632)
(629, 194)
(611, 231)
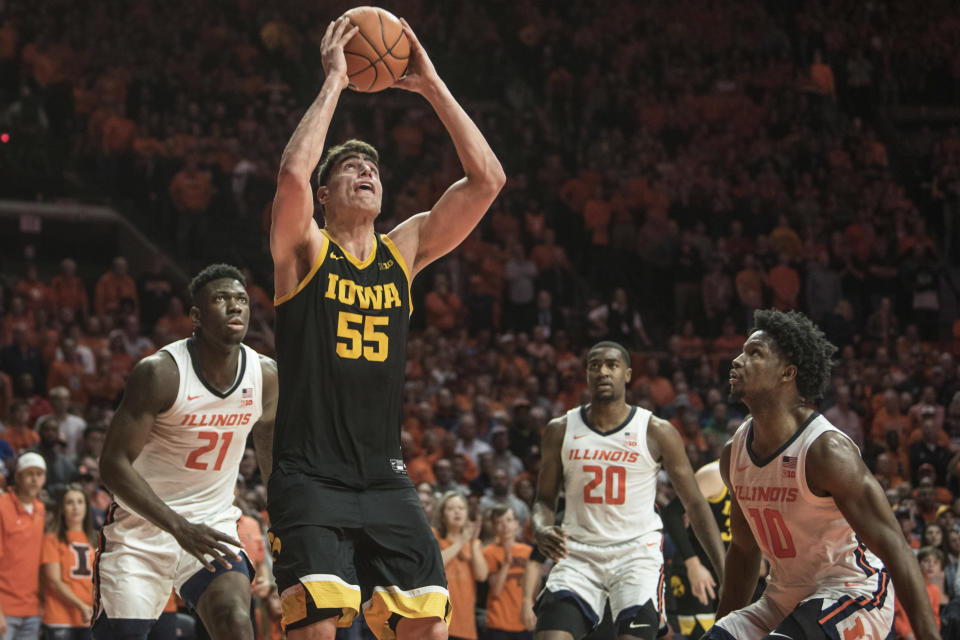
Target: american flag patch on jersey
(246, 397)
(631, 438)
(789, 462)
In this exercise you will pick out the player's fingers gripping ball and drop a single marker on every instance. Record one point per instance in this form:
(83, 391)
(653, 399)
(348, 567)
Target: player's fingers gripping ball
(378, 54)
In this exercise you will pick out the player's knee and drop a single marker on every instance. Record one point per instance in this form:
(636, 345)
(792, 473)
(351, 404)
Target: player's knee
(229, 620)
(421, 629)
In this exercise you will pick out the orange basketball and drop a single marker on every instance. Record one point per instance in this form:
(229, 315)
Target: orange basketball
(377, 55)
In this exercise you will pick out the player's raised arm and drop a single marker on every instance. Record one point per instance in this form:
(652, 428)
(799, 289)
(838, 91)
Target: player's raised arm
(151, 389)
(294, 235)
(427, 236)
(669, 445)
(550, 538)
(834, 468)
(263, 430)
(742, 564)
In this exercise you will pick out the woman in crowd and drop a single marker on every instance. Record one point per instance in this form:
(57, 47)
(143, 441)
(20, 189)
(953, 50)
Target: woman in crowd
(462, 560)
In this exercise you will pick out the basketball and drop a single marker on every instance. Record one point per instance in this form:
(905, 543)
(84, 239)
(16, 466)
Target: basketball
(377, 55)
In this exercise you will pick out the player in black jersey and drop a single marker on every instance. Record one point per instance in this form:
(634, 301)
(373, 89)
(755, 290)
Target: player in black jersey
(346, 524)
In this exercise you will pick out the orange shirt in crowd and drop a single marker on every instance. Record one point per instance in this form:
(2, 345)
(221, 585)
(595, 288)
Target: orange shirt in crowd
(420, 469)
(35, 294)
(442, 310)
(192, 191)
(463, 592)
(21, 543)
(275, 630)
(883, 422)
(785, 283)
(75, 558)
(69, 375)
(822, 78)
(750, 288)
(596, 221)
(111, 289)
(503, 610)
(175, 326)
(69, 292)
(20, 439)
(901, 624)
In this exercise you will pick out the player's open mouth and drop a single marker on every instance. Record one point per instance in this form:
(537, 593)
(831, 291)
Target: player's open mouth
(365, 187)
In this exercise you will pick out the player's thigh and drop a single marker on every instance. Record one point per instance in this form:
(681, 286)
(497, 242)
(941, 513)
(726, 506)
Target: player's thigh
(193, 580)
(315, 574)
(576, 579)
(846, 617)
(635, 578)
(563, 615)
(398, 561)
(134, 572)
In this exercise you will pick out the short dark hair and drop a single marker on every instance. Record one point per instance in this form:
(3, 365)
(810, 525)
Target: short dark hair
(803, 344)
(498, 511)
(610, 344)
(213, 272)
(334, 154)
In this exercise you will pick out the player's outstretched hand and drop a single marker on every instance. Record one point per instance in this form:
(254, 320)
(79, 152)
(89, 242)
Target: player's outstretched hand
(420, 73)
(332, 59)
(702, 584)
(202, 541)
(552, 542)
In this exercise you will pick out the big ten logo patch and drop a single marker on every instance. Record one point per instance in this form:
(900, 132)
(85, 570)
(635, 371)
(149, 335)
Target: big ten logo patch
(246, 397)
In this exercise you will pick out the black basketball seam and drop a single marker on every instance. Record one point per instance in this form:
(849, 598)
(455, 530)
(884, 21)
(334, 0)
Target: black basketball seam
(372, 63)
(383, 37)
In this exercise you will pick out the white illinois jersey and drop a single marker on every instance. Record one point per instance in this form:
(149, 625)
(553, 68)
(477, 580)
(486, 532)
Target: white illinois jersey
(192, 455)
(809, 544)
(609, 479)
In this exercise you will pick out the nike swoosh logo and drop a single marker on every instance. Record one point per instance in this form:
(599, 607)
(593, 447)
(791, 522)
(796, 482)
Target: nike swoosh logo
(189, 397)
(582, 435)
(634, 625)
(650, 544)
(852, 584)
(739, 469)
(334, 256)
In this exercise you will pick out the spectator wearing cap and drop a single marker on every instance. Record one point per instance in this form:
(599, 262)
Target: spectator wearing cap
(18, 433)
(22, 517)
(60, 470)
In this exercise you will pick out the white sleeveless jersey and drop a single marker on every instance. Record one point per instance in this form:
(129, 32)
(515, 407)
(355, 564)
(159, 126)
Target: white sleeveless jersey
(609, 479)
(192, 455)
(804, 537)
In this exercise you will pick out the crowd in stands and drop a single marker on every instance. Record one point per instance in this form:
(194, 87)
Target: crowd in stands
(672, 167)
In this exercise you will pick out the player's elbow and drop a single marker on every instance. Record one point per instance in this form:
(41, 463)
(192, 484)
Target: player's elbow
(494, 176)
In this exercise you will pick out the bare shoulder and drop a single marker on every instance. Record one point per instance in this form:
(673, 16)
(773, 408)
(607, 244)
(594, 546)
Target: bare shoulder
(834, 463)
(406, 237)
(269, 368)
(723, 464)
(153, 382)
(662, 437)
(554, 432)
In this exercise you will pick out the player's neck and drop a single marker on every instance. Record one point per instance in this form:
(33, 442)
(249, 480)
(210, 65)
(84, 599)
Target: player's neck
(218, 363)
(774, 422)
(355, 236)
(607, 416)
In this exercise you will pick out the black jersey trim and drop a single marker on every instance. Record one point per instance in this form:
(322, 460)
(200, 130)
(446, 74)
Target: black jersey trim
(306, 280)
(392, 248)
(359, 264)
(583, 416)
(192, 350)
(773, 456)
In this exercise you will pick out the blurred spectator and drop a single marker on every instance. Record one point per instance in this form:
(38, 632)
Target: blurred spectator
(67, 560)
(844, 417)
(33, 291)
(443, 307)
(445, 481)
(67, 370)
(784, 281)
(18, 433)
(468, 444)
(174, 323)
(499, 494)
(506, 561)
(191, 192)
(60, 470)
(67, 290)
(22, 518)
(928, 451)
(21, 357)
(114, 287)
(503, 458)
(931, 566)
(69, 426)
(463, 562)
(155, 290)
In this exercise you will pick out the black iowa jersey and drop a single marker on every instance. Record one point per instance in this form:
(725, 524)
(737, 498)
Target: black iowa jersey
(341, 339)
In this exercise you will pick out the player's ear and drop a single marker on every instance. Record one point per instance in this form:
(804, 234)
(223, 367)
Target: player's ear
(195, 317)
(627, 375)
(322, 194)
(790, 373)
